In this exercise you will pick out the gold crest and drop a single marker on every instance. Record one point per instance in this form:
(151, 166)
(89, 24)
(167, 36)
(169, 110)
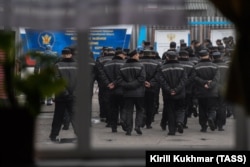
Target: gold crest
(171, 37)
(46, 39)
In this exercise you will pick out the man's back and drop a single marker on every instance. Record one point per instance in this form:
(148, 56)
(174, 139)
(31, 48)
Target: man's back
(67, 69)
(206, 72)
(132, 77)
(173, 78)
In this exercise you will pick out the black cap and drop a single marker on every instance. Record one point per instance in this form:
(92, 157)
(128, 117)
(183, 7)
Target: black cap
(118, 52)
(203, 53)
(171, 54)
(183, 53)
(126, 50)
(118, 48)
(66, 51)
(132, 53)
(216, 54)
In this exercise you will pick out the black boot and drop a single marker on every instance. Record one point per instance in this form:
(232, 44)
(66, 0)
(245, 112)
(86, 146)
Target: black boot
(180, 127)
(211, 124)
(138, 130)
(128, 133)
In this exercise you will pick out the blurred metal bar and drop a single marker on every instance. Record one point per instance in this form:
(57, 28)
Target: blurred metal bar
(84, 100)
(7, 11)
(242, 128)
(58, 14)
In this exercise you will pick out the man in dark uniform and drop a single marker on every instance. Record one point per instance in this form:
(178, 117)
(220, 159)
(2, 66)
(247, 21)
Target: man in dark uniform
(172, 48)
(158, 59)
(197, 48)
(173, 80)
(188, 66)
(103, 94)
(111, 69)
(132, 79)
(207, 43)
(65, 101)
(222, 106)
(151, 84)
(194, 59)
(206, 82)
(219, 42)
(146, 45)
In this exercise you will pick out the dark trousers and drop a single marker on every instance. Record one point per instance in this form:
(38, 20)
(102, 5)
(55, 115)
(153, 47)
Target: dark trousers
(104, 103)
(149, 106)
(164, 117)
(230, 110)
(156, 100)
(66, 119)
(116, 105)
(129, 104)
(221, 112)
(175, 112)
(188, 107)
(60, 108)
(207, 110)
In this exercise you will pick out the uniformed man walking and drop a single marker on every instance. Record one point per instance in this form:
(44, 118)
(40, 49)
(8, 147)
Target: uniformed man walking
(151, 85)
(173, 80)
(222, 105)
(111, 69)
(206, 79)
(132, 79)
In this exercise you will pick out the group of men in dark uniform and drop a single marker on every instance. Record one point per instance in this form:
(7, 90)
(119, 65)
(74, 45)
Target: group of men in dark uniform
(190, 79)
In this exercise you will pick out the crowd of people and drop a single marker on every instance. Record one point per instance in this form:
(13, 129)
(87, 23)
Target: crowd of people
(189, 78)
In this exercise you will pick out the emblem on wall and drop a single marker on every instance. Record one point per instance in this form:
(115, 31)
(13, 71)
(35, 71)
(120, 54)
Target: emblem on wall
(171, 37)
(46, 38)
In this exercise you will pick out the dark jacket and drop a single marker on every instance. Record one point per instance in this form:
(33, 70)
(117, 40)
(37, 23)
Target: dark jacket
(101, 76)
(132, 77)
(111, 69)
(206, 70)
(194, 59)
(223, 70)
(189, 67)
(151, 68)
(67, 70)
(93, 74)
(173, 77)
(164, 55)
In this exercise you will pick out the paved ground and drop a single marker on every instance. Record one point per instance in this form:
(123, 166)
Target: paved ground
(151, 138)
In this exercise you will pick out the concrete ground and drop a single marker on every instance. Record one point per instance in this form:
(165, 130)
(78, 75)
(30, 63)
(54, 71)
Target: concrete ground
(102, 137)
